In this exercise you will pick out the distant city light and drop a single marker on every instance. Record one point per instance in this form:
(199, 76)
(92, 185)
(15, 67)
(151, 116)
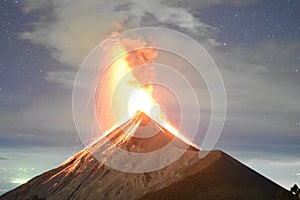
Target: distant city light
(20, 180)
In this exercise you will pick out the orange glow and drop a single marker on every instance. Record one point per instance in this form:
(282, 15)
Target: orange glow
(121, 84)
(140, 101)
(175, 132)
(122, 90)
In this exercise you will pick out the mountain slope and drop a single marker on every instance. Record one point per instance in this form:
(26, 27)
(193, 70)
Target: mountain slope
(225, 178)
(83, 177)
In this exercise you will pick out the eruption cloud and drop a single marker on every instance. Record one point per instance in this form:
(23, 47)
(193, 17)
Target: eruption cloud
(119, 73)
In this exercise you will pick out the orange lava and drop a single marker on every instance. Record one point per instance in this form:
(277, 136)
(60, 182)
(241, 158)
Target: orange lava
(124, 90)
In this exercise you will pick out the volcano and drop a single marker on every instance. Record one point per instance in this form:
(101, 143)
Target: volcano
(216, 176)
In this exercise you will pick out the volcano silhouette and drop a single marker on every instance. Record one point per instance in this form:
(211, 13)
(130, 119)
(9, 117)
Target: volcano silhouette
(216, 176)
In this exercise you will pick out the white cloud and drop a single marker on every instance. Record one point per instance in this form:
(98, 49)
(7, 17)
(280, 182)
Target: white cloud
(196, 4)
(72, 29)
(63, 78)
(49, 116)
(262, 96)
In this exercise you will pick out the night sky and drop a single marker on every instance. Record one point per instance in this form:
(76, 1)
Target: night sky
(255, 44)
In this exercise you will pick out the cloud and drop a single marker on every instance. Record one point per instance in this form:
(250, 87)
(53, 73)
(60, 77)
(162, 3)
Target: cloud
(196, 4)
(47, 121)
(261, 86)
(62, 78)
(2, 158)
(72, 29)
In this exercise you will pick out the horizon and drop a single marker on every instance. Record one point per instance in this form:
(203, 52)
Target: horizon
(254, 44)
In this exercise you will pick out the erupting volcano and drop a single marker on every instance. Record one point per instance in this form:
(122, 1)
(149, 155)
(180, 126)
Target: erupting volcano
(141, 134)
(217, 176)
(143, 156)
